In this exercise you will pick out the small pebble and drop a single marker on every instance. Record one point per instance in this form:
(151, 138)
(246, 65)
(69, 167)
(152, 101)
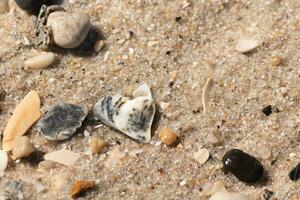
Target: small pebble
(61, 121)
(24, 116)
(246, 45)
(81, 186)
(295, 173)
(30, 5)
(243, 166)
(43, 60)
(267, 110)
(22, 148)
(97, 144)
(276, 60)
(46, 165)
(167, 136)
(201, 155)
(267, 194)
(129, 35)
(4, 6)
(99, 45)
(69, 30)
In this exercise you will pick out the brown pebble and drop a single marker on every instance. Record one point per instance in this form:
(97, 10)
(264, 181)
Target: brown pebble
(22, 148)
(276, 60)
(81, 186)
(167, 136)
(97, 145)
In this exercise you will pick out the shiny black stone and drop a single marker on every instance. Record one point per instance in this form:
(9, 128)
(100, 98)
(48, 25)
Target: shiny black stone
(243, 166)
(267, 110)
(295, 173)
(30, 5)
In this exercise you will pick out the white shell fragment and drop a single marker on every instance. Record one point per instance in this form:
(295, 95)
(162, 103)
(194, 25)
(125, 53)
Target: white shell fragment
(219, 192)
(64, 157)
(68, 29)
(201, 155)
(246, 45)
(40, 61)
(132, 117)
(205, 94)
(61, 121)
(3, 162)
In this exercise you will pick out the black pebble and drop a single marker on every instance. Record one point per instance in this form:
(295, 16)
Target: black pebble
(267, 110)
(30, 5)
(295, 173)
(243, 166)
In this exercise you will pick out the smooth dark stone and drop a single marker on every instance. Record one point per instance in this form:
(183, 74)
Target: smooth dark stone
(295, 173)
(243, 166)
(30, 5)
(35, 5)
(267, 110)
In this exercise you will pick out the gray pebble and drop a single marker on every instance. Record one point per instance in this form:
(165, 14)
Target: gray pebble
(68, 29)
(61, 121)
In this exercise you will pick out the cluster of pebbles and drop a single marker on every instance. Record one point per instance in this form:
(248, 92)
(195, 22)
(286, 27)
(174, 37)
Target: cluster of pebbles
(130, 116)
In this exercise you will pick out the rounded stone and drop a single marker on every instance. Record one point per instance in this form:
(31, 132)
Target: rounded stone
(22, 148)
(68, 29)
(243, 166)
(30, 5)
(295, 173)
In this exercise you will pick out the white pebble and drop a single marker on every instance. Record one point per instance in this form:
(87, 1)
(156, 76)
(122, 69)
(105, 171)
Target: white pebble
(246, 45)
(40, 61)
(68, 29)
(99, 45)
(219, 192)
(201, 155)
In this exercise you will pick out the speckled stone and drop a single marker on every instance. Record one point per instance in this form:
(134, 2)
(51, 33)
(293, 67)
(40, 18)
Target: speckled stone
(68, 29)
(61, 121)
(243, 166)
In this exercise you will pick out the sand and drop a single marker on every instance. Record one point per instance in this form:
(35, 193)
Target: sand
(187, 37)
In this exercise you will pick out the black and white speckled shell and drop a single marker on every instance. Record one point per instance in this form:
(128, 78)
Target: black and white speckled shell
(132, 117)
(61, 121)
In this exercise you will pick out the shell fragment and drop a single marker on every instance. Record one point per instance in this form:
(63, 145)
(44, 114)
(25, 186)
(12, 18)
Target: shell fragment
(24, 116)
(132, 117)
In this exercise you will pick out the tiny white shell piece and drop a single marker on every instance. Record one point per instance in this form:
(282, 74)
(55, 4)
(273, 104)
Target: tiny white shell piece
(205, 94)
(3, 162)
(142, 91)
(132, 117)
(64, 157)
(246, 45)
(219, 192)
(40, 61)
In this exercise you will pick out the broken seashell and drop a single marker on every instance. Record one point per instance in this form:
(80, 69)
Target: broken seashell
(81, 186)
(132, 117)
(61, 121)
(24, 116)
(219, 192)
(205, 94)
(64, 157)
(246, 45)
(3, 161)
